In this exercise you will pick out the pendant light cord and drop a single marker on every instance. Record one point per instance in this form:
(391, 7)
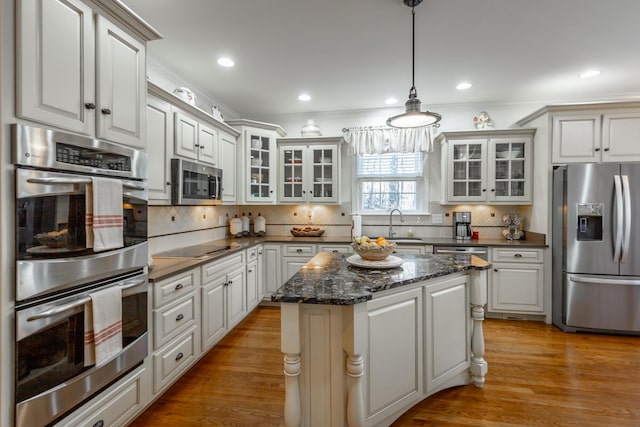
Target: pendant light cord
(412, 92)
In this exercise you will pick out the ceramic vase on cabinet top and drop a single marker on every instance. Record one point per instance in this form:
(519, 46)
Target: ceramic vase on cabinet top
(310, 129)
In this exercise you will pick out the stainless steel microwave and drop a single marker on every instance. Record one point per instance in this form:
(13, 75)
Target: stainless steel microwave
(195, 184)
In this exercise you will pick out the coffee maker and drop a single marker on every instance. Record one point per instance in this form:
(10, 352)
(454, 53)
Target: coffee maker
(462, 225)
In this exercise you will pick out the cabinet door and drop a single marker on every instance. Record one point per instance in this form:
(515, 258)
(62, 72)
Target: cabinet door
(236, 296)
(466, 171)
(447, 322)
(409, 249)
(516, 288)
(186, 136)
(294, 183)
(208, 145)
(323, 173)
(291, 265)
(55, 60)
(228, 165)
(160, 146)
(509, 174)
(272, 269)
(121, 85)
(260, 179)
(253, 292)
(576, 138)
(214, 325)
(621, 137)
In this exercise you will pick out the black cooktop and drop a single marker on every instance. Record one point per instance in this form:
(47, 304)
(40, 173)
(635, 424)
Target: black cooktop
(196, 251)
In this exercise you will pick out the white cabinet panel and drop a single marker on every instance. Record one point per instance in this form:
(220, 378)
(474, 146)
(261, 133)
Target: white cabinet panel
(160, 148)
(517, 287)
(253, 289)
(272, 268)
(576, 138)
(621, 137)
(213, 312)
(174, 359)
(228, 165)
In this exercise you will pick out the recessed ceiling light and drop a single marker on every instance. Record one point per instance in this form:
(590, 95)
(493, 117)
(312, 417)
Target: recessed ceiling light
(226, 62)
(463, 85)
(590, 73)
(304, 97)
(390, 101)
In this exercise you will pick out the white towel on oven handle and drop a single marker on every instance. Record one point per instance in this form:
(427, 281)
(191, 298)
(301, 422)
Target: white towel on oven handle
(103, 220)
(103, 326)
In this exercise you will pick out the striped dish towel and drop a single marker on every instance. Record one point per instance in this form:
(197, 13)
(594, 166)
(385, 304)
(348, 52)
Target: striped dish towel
(103, 326)
(103, 219)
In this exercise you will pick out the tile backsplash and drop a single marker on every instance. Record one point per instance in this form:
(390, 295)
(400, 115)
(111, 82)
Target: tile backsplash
(191, 225)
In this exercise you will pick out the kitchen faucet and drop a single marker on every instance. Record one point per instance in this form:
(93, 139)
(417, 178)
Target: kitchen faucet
(391, 232)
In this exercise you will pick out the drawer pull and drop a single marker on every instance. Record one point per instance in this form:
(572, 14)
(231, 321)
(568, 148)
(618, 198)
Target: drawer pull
(179, 317)
(249, 271)
(495, 269)
(90, 106)
(179, 286)
(517, 255)
(99, 423)
(179, 356)
(299, 251)
(105, 111)
(335, 251)
(230, 282)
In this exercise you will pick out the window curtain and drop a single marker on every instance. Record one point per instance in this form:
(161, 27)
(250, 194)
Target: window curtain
(389, 140)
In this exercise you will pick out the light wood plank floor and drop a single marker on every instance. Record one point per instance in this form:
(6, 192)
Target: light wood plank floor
(538, 376)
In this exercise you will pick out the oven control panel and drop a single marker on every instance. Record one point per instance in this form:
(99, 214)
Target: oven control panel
(73, 155)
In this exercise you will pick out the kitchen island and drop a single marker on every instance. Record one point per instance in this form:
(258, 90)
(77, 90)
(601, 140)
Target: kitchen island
(362, 345)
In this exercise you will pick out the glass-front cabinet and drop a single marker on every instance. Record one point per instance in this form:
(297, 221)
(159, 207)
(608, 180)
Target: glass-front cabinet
(309, 170)
(490, 166)
(257, 154)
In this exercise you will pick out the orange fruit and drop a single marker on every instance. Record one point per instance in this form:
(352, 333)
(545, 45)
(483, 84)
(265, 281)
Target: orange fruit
(381, 241)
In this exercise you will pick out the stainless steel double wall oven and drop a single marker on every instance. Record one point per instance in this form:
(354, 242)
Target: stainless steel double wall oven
(56, 272)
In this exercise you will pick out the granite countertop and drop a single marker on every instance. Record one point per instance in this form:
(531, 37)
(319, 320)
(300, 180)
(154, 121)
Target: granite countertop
(166, 267)
(329, 279)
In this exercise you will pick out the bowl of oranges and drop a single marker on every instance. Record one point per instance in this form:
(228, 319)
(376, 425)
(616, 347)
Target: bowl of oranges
(373, 250)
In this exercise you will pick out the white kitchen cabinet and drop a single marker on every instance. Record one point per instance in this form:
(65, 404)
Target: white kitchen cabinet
(118, 405)
(294, 257)
(175, 327)
(272, 273)
(253, 290)
(195, 140)
(413, 249)
(309, 170)
(78, 71)
(516, 281)
(335, 248)
(394, 369)
(160, 144)
(227, 163)
(448, 325)
(603, 135)
(223, 297)
(491, 166)
(256, 170)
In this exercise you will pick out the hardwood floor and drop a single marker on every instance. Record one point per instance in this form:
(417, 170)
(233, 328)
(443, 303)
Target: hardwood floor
(538, 376)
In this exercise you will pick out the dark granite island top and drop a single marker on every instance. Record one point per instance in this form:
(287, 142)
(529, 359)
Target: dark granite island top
(329, 279)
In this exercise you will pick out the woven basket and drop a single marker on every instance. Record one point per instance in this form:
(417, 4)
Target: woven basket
(315, 233)
(374, 253)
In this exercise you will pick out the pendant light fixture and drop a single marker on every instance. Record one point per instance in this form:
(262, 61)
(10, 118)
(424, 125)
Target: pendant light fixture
(413, 117)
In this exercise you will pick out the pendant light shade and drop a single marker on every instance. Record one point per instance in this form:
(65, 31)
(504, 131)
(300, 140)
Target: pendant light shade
(413, 117)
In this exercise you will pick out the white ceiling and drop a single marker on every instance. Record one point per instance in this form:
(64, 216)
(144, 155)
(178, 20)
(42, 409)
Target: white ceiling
(353, 54)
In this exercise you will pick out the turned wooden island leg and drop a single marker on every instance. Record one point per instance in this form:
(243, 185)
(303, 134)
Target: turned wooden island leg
(290, 345)
(355, 400)
(479, 366)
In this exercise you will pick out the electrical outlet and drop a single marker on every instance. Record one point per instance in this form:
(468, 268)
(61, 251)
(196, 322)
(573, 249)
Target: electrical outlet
(436, 219)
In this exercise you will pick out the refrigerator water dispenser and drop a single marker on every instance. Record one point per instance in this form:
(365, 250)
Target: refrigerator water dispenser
(590, 221)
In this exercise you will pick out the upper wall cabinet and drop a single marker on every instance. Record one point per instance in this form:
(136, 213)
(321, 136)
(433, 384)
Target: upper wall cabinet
(256, 161)
(490, 166)
(309, 170)
(174, 128)
(604, 135)
(78, 71)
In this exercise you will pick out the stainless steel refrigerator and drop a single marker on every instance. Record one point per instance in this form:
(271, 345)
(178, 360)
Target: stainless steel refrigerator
(596, 248)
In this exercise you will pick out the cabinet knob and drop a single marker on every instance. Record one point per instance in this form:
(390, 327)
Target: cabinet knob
(179, 286)
(493, 189)
(299, 251)
(168, 183)
(179, 317)
(106, 111)
(90, 106)
(99, 423)
(606, 149)
(597, 149)
(271, 191)
(249, 271)
(230, 282)
(495, 269)
(179, 356)
(484, 189)
(517, 255)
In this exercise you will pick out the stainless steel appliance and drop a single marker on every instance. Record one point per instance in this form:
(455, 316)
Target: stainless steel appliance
(56, 272)
(195, 184)
(462, 225)
(479, 251)
(596, 249)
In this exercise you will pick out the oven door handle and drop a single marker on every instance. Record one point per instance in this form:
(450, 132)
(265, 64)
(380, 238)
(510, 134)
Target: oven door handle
(77, 303)
(66, 181)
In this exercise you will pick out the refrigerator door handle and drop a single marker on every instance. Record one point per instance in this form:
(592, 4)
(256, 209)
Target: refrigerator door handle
(621, 281)
(627, 217)
(620, 218)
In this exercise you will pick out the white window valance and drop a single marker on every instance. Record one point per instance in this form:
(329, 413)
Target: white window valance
(380, 140)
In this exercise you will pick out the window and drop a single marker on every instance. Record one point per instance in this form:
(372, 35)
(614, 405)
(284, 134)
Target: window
(388, 181)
